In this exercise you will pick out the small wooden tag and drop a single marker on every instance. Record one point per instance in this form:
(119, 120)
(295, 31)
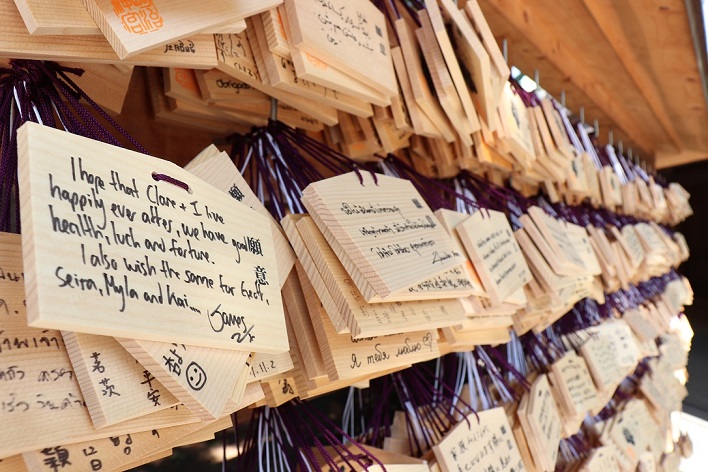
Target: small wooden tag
(106, 84)
(515, 119)
(638, 320)
(424, 100)
(611, 187)
(577, 392)
(556, 235)
(202, 378)
(442, 80)
(602, 459)
(114, 385)
(480, 442)
(496, 255)
(580, 240)
(629, 434)
(313, 69)
(267, 366)
(474, 13)
(279, 391)
(63, 17)
(216, 86)
(623, 343)
(347, 358)
(299, 317)
(130, 243)
(603, 364)
(469, 50)
(275, 31)
(541, 423)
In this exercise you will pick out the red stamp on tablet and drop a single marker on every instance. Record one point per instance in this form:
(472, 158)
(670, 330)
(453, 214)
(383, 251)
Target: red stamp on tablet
(138, 16)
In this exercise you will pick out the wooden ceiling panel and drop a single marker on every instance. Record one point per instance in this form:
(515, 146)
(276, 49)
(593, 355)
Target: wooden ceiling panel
(579, 50)
(631, 64)
(661, 33)
(619, 29)
(527, 57)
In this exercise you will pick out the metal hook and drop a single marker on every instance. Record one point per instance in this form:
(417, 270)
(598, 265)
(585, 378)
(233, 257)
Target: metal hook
(537, 78)
(273, 109)
(505, 50)
(596, 125)
(563, 98)
(582, 115)
(620, 148)
(611, 137)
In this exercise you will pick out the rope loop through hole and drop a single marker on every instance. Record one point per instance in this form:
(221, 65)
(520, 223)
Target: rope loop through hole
(166, 178)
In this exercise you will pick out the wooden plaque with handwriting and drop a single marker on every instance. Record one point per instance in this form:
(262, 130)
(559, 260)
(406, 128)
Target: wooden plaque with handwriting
(236, 58)
(442, 80)
(350, 35)
(314, 69)
(471, 53)
(451, 220)
(496, 255)
(347, 358)
(481, 441)
(104, 231)
(515, 120)
(386, 237)
(604, 366)
(216, 86)
(302, 330)
(415, 84)
(267, 366)
(576, 392)
(556, 234)
(348, 308)
(602, 459)
(107, 453)
(216, 168)
(281, 73)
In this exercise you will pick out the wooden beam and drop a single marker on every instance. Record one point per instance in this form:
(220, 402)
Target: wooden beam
(542, 33)
(698, 35)
(660, 33)
(607, 19)
(664, 160)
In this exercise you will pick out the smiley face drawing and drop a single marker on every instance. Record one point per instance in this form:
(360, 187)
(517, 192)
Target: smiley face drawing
(196, 377)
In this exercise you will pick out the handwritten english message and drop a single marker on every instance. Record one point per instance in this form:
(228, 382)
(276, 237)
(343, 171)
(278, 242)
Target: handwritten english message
(108, 226)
